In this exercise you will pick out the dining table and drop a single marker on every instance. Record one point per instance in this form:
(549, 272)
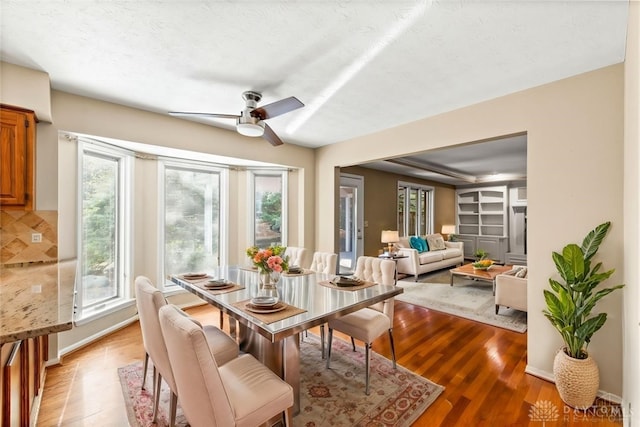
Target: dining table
(310, 299)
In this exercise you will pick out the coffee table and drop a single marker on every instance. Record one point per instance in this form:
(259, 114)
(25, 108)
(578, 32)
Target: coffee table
(489, 275)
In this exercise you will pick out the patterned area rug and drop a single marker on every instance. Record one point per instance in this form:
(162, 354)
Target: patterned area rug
(333, 397)
(467, 298)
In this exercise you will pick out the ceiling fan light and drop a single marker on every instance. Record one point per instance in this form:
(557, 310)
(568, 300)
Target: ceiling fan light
(250, 129)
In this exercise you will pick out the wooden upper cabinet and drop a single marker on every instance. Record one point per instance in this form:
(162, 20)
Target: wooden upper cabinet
(17, 156)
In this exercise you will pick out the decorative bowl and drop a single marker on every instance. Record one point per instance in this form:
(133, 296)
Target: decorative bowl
(484, 264)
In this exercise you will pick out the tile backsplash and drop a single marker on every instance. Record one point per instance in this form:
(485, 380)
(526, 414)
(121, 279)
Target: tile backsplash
(17, 232)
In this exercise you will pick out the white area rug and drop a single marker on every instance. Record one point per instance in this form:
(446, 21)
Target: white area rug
(466, 298)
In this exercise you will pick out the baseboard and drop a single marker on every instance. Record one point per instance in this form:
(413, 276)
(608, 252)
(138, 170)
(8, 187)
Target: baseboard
(90, 339)
(548, 376)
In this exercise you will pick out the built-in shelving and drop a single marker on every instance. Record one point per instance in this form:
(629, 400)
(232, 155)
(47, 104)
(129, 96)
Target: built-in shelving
(482, 220)
(483, 211)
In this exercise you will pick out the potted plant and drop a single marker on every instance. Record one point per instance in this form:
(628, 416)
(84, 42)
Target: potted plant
(480, 254)
(569, 306)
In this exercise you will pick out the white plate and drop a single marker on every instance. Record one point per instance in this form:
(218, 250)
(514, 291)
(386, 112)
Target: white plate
(265, 310)
(264, 302)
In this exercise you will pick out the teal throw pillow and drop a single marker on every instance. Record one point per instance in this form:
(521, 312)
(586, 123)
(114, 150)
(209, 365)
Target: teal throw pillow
(418, 243)
(425, 244)
(414, 242)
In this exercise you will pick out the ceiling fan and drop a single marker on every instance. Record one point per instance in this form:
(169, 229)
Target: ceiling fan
(250, 121)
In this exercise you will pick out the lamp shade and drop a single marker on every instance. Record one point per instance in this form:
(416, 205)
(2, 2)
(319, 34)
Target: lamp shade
(448, 229)
(389, 236)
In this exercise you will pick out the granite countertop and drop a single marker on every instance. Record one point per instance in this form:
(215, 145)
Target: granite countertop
(36, 299)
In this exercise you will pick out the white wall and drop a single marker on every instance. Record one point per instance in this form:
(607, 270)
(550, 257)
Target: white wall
(26, 88)
(575, 180)
(631, 339)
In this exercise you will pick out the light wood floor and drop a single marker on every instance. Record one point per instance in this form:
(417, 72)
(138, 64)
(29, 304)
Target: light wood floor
(482, 368)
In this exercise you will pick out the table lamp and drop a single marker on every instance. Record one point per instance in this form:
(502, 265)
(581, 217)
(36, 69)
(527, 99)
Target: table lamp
(448, 230)
(389, 237)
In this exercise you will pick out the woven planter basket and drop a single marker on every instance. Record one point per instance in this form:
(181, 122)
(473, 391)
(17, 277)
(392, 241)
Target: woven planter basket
(577, 380)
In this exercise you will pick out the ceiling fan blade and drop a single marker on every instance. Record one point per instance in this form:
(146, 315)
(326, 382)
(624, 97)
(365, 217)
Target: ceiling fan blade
(277, 108)
(212, 115)
(271, 136)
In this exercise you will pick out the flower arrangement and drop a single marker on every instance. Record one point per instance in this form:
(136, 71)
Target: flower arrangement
(270, 259)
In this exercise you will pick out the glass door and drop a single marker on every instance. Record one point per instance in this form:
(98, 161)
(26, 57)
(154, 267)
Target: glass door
(351, 222)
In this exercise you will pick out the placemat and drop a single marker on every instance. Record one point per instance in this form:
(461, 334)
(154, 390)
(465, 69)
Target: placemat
(328, 284)
(195, 281)
(270, 317)
(233, 288)
(304, 272)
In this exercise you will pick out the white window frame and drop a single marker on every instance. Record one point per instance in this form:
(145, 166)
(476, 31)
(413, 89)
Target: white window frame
(284, 223)
(124, 250)
(405, 187)
(166, 285)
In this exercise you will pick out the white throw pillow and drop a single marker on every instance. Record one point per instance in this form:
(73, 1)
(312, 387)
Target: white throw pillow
(435, 242)
(522, 272)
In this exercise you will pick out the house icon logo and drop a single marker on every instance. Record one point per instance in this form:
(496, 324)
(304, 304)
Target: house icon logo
(543, 411)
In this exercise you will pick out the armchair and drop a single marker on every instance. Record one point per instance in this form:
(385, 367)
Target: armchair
(511, 290)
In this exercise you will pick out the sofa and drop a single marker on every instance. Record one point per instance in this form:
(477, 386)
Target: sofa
(511, 289)
(438, 254)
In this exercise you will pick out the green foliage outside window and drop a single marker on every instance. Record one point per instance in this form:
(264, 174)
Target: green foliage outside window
(99, 214)
(272, 210)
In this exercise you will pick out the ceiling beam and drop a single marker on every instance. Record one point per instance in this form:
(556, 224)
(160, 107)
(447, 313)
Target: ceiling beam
(434, 169)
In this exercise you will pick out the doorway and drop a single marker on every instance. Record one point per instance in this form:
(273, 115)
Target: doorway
(351, 222)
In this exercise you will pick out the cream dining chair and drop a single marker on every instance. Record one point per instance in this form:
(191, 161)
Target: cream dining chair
(296, 255)
(368, 323)
(149, 300)
(327, 263)
(242, 392)
(324, 262)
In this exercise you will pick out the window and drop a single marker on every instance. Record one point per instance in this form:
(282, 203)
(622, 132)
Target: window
(415, 209)
(191, 231)
(104, 235)
(269, 208)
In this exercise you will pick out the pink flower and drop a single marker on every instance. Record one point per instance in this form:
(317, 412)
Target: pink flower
(269, 259)
(275, 263)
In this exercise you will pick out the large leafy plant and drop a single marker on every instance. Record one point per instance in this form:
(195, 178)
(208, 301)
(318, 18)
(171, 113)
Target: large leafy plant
(569, 304)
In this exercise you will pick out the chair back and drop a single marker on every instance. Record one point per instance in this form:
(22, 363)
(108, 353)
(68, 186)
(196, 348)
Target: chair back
(203, 398)
(381, 271)
(296, 255)
(324, 262)
(149, 300)
(375, 269)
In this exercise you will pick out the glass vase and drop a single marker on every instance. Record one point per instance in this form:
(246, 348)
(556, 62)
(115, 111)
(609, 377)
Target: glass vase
(267, 288)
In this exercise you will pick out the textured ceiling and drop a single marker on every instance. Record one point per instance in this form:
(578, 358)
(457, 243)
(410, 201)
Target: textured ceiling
(359, 66)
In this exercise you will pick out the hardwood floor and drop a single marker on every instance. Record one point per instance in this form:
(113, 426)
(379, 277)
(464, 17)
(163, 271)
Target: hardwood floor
(482, 368)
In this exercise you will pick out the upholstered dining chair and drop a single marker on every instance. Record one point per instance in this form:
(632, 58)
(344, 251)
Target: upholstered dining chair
(368, 323)
(242, 392)
(149, 300)
(324, 262)
(296, 255)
